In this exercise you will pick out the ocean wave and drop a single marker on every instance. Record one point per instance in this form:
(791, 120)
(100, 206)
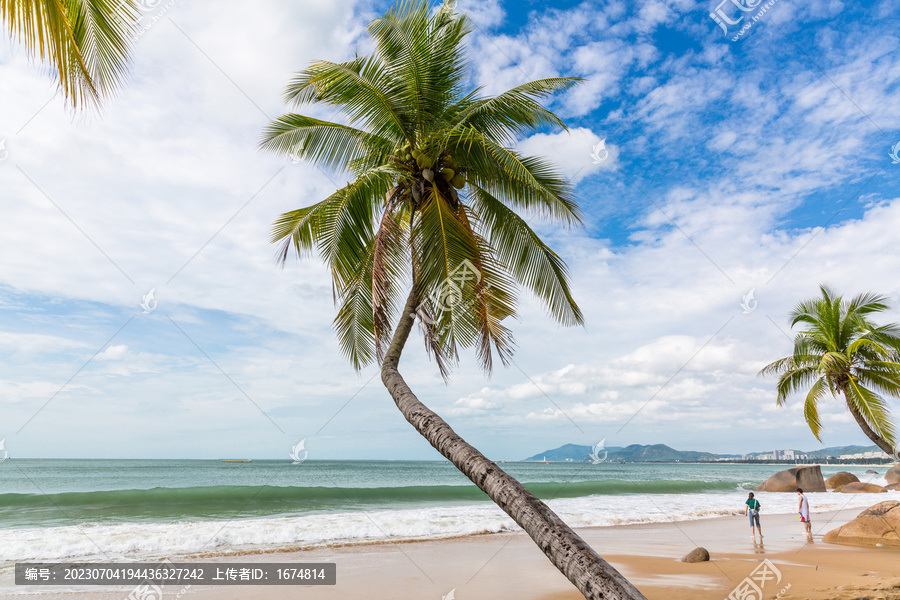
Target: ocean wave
(211, 502)
(139, 540)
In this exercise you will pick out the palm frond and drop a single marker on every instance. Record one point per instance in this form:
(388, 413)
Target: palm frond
(527, 257)
(811, 406)
(867, 303)
(348, 223)
(883, 378)
(516, 111)
(354, 323)
(424, 58)
(88, 42)
(388, 267)
(494, 300)
(873, 410)
(793, 381)
(299, 229)
(447, 253)
(525, 182)
(361, 88)
(330, 145)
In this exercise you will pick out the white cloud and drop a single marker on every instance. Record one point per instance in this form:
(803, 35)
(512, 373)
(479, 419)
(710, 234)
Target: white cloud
(573, 152)
(116, 352)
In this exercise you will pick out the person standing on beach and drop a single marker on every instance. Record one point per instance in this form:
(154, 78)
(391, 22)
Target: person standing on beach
(752, 509)
(804, 514)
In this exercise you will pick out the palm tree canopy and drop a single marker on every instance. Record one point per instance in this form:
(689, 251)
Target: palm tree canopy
(841, 351)
(436, 193)
(87, 41)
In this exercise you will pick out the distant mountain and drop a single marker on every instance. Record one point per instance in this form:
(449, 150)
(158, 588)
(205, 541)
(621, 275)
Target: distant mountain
(632, 453)
(657, 453)
(663, 453)
(572, 452)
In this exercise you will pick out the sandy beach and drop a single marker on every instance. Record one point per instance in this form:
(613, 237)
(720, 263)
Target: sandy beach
(510, 566)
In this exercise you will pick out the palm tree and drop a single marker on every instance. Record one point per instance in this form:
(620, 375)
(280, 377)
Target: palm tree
(431, 215)
(840, 351)
(87, 41)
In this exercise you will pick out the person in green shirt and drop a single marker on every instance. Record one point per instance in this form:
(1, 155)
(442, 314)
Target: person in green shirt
(752, 509)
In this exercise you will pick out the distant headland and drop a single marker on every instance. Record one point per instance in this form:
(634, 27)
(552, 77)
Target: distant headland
(660, 453)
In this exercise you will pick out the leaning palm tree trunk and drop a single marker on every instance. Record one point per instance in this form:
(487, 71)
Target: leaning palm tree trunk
(593, 576)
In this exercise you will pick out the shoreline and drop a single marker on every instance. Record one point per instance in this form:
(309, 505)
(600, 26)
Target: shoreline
(508, 564)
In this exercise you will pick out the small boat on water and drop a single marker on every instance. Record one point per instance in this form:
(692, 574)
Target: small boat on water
(239, 460)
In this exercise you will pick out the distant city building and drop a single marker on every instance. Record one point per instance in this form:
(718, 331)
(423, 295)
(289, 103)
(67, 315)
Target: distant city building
(783, 455)
(876, 455)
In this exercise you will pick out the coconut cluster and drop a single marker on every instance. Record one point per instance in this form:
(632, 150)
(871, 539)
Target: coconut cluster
(431, 166)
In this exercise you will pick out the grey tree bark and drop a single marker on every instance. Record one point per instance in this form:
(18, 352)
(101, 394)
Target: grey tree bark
(593, 576)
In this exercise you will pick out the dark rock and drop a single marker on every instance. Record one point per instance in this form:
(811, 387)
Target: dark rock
(859, 487)
(893, 474)
(839, 479)
(696, 555)
(808, 478)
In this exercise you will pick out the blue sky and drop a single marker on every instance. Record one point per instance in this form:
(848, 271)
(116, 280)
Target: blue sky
(758, 164)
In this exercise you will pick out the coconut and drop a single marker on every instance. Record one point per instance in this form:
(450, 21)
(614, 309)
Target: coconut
(458, 181)
(428, 174)
(421, 161)
(449, 162)
(448, 174)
